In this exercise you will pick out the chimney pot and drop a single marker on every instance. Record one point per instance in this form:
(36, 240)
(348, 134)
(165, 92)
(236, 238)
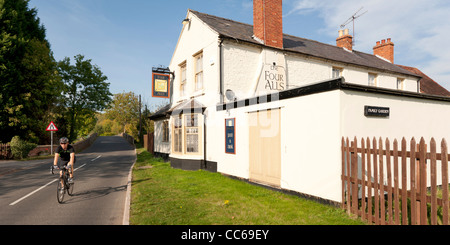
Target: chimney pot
(385, 50)
(345, 40)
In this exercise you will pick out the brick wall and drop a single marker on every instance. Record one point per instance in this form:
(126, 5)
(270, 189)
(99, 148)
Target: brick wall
(268, 22)
(385, 49)
(79, 146)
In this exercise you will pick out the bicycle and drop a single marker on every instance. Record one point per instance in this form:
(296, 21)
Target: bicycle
(63, 184)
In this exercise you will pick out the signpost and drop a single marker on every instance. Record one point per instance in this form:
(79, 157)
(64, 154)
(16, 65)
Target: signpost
(52, 128)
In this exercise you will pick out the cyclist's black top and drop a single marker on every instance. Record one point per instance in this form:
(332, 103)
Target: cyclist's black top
(65, 154)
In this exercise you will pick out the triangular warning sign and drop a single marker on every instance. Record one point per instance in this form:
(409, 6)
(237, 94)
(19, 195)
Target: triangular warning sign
(51, 127)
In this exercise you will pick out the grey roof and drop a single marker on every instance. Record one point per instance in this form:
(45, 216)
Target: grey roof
(187, 105)
(161, 113)
(244, 32)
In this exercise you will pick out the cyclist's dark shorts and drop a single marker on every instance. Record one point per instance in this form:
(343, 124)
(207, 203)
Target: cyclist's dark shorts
(65, 163)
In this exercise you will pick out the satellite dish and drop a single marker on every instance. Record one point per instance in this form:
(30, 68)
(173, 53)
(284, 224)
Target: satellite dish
(230, 95)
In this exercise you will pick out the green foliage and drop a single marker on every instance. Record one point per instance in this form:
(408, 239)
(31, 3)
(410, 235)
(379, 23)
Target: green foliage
(20, 148)
(124, 110)
(29, 85)
(166, 196)
(85, 91)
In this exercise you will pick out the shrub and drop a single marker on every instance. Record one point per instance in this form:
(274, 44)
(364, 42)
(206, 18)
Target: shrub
(20, 148)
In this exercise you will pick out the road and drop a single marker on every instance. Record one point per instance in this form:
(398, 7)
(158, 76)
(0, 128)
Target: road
(28, 190)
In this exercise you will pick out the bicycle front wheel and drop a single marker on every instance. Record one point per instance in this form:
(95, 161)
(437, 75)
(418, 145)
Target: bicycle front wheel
(60, 192)
(70, 189)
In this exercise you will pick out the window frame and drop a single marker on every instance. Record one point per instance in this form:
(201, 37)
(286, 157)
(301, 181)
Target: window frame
(183, 82)
(194, 126)
(402, 83)
(375, 79)
(177, 145)
(335, 68)
(165, 133)
(181, 131)
(199, 73)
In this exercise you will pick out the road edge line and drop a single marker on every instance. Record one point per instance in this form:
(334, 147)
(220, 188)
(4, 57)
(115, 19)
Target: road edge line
(126, 212)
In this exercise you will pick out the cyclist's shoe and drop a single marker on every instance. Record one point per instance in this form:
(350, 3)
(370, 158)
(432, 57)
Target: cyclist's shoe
(70, 180)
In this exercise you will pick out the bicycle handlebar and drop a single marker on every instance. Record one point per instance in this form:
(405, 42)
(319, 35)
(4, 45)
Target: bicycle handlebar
(53, 167)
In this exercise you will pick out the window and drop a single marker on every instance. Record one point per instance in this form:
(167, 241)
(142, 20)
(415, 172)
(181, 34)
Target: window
(372, 79)
(199, 71)
(191, 122)
(183, 79)
(337, 72)
(178, 134)
(165, 131)
(187, 134)
(400, 84)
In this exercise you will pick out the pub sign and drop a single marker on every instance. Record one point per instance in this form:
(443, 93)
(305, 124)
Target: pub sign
(160, 85)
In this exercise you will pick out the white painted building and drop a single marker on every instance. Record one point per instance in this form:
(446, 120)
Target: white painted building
(248, 105)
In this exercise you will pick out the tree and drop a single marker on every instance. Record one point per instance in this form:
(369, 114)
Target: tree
(85, 91)
(124, 109)
(29, 86)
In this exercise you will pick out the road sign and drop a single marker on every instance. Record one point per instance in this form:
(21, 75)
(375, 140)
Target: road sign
(51, 127)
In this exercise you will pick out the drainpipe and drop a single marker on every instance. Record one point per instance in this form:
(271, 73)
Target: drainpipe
(220, 69)
(205, 113)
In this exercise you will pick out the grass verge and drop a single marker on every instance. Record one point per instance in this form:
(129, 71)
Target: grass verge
(162, 195)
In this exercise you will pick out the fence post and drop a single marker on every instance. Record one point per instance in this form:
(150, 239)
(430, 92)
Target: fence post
(375, 178)
(354, 178)
(404, 184)
(343, 172)
(389, 180)
(396, 191)
(381, 182)
(412, 159)
(444, 161)
(347, 149)
(423, 181)
(363, 183)
(433, 214)
(369, 184)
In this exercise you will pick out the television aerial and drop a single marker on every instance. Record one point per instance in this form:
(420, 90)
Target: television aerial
(352, 20)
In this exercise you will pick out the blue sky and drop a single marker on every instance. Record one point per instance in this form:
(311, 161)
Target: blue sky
(127, 38)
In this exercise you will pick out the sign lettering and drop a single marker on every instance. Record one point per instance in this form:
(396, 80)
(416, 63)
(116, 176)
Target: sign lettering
(375, 111)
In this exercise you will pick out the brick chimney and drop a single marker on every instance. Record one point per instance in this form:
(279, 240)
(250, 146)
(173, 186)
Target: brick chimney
(268, 22)
(345, 40)
(385, 49)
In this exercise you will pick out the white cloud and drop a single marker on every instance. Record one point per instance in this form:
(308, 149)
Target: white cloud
(419, 29)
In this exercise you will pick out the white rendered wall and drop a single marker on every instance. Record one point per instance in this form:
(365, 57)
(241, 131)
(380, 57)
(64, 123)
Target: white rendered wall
(159, 145)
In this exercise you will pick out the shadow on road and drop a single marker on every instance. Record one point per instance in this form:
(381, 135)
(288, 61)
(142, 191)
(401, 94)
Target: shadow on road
(93, 193)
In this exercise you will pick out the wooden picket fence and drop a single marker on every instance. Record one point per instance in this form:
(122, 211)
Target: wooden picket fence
(395, 186)
(5, 152)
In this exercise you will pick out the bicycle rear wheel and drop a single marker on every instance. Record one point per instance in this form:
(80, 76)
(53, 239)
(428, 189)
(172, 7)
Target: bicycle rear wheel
(60, 192)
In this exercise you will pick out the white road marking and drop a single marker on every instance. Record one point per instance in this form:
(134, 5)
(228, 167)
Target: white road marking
(21, 199)
(40, 188)
(96, 158)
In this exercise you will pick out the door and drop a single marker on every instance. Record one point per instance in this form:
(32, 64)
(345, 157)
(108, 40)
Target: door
(265, 146)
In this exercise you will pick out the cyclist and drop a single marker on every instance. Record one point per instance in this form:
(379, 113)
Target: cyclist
(67, 154)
